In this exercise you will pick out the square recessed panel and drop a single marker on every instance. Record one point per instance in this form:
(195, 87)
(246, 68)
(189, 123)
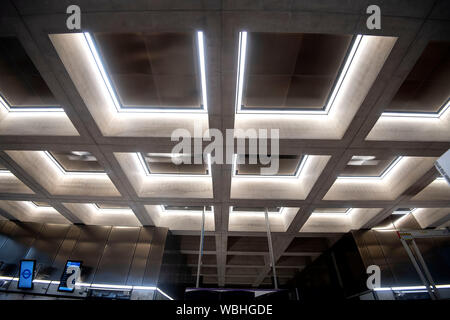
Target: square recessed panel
(185, 208)
(292, 71)
(367, 166)
(288, 165)
(255, 209)
(76, 161)
(331, 210)
(103, 205)
(162, 163)
(41, 204)
(427, 86)
(21, 85)
(152, 70)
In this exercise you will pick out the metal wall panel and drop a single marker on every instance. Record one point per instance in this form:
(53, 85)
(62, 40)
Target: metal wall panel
(6, 229)
(110, 255)
(89, 249)
(17, 246)
(115, 263)
(155, 258)
(45, 248)
(141, 252)
(64, 251)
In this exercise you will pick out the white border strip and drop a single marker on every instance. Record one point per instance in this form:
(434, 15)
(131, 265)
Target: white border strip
(28, 109)
(295, 176)
(430, 115)
(81, 173)
(385, 173)
(241, 73)
(148, 173)
(151, 109)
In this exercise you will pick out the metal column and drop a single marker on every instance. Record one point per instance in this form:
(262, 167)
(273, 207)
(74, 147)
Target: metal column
(425, 268)
(416, 266)
(200, 253)
(269, 239)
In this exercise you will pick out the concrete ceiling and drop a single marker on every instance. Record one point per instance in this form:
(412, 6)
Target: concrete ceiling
(390, 75)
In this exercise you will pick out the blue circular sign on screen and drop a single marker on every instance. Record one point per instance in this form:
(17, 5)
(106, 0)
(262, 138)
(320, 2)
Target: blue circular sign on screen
(26, 273)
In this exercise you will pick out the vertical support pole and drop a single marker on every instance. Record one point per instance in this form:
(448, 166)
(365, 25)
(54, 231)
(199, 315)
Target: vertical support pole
(200, 251)
(269, 239)
(425, 268)
(416, 266)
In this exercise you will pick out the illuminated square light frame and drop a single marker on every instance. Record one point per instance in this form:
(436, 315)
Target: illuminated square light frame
(399, 212)
(99, 210)
(333, 214)
(381, 177)
(29, 109)
(187, 175)
(71, 173)
(25, 210)
(432, 115)
(256, 212)
(295, 176)
(150, 109)
(36, 206)
(185, 212)
(242, 52)
(6, 172)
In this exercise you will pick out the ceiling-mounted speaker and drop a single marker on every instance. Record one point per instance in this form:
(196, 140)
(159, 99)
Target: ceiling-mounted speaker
(443, 166)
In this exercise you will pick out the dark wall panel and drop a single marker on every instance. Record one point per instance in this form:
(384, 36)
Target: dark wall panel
(110, 255)
(117, 256)
(64, 251)
(17, 246)
(89, 249)
(155, 257)
(141, 252)
(385, 250)
(45, 248)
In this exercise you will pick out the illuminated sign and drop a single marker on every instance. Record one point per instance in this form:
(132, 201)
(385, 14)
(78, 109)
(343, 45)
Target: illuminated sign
(26, 274)
(70, 276)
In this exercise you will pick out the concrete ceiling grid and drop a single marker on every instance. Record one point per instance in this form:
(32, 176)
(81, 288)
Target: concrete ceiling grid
(221, 21)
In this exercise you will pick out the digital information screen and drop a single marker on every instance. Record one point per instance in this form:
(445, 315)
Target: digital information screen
(26, 274)
(66, 278)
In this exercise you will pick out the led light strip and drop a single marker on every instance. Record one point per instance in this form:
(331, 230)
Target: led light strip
(432, 115)
(151, 109)
(34, 205)
(295, 176)
(401, 213)
(148, 173)
(96, 285)
(111, 210)
(186, 211)
(6, 173)
(383, 175)
(282, 209)
(414, 288)
(242, 52)
(60, 168)
(334, 214)
(28, 109)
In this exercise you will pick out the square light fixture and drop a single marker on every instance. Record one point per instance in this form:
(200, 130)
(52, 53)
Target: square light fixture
(296, 175)
(61, 168)
(242, 56)
(148, 170)
(385, 172)
(166, 209)
(98, 63)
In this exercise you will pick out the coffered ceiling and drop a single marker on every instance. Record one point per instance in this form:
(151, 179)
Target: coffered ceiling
(86, 120)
